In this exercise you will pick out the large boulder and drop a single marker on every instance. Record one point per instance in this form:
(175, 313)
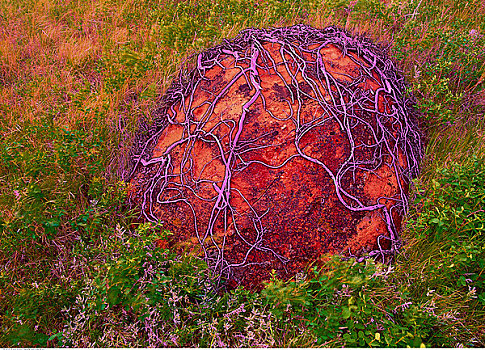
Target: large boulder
(278, 147)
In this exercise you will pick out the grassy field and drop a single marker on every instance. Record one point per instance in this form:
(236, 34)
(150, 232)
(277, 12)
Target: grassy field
(76, 80)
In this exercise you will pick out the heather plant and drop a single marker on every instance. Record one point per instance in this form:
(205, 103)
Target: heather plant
(339, 307)
(77, 269)
(149, 296)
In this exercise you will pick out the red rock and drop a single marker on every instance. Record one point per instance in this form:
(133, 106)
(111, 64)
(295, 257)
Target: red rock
(242, 171)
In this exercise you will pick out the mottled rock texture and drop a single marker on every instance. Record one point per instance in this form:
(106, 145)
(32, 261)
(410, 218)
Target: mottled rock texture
(278, 147)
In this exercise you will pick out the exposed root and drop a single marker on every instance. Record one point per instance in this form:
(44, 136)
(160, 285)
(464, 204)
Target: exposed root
(384, 111)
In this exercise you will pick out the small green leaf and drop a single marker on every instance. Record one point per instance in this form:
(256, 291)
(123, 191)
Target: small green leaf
(114, 295)
(57, 335)
(345, 312)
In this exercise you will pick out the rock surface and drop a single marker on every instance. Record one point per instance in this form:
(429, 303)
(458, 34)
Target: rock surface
(278, 147)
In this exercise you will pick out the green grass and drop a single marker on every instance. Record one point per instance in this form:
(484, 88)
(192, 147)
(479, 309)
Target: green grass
(77, 78)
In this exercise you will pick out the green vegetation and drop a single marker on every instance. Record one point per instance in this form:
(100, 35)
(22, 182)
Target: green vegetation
(77, 77)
